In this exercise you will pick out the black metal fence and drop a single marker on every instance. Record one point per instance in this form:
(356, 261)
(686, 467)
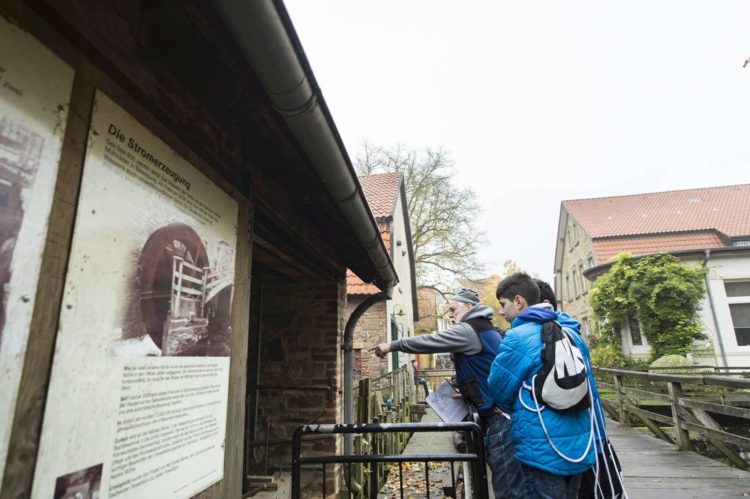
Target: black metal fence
(475, 455)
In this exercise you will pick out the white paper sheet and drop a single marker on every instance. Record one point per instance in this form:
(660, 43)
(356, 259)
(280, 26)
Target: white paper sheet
(444, 402)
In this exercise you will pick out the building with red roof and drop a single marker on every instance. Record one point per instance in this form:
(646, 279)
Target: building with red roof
(393, 318)
(708, 226)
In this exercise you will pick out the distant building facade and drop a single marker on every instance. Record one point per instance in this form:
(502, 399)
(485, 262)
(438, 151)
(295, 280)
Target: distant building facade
(709, 226)
(394, 318)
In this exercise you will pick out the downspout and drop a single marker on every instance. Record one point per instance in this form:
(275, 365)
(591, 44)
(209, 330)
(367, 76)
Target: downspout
(264, 34)
(707, 253)
(348, 344)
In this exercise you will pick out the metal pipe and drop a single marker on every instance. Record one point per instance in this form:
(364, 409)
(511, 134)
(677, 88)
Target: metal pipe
(348, 342)
(707, 253)
(263, 31)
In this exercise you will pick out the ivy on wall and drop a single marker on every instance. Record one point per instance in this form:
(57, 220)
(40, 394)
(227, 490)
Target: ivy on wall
(661, 292)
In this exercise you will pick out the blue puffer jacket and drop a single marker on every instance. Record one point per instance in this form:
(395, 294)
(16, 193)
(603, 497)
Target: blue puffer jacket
(569, 322)
(517, 361)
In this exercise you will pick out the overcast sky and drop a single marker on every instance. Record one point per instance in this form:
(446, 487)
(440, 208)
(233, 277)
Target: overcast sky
(541, 101)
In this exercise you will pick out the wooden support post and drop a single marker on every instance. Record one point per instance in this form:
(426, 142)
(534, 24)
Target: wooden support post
(702, 417)
(654, 428)
(683, 438)
(622, 415)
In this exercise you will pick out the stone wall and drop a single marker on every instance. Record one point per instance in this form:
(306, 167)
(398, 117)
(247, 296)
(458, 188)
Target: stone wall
(302, 327)
(371, 329)
(575, 291)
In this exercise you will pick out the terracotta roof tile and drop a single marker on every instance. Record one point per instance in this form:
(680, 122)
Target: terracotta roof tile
(607, 249)
(381, 191)
(726, 209)
(355, 285)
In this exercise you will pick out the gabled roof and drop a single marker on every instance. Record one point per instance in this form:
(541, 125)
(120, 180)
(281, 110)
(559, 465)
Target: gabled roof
(672, 221)
(381, 192)
(724, 209)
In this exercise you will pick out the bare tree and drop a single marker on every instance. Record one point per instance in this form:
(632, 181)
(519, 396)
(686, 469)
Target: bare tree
(441, 214)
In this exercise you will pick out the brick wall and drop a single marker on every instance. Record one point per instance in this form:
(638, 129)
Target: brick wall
(371, 329)
(302, 326)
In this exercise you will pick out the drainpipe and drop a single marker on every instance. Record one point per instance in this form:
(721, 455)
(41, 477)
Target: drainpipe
(349, 360)
(707, 254)
(264, 33)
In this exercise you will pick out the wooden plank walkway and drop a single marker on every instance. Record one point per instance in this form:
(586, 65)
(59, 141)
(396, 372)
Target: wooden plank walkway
(653, 468)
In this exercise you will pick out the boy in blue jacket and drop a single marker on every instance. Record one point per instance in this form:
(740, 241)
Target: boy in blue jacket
(553, 455)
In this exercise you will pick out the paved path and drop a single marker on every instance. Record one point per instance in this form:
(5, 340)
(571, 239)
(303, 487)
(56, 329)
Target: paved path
(653, 468)
(414, 475)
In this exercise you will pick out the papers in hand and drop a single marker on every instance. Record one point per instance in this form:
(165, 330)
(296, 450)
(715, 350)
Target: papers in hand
(446, 405)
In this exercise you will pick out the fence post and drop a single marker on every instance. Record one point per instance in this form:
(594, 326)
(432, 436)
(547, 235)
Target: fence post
(620, 400)
(683, 438)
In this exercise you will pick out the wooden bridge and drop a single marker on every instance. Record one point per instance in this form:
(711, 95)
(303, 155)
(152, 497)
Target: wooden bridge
(704, 412)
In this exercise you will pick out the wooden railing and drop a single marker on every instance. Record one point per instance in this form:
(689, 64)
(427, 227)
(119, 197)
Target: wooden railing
(673, 405)
(390, 398)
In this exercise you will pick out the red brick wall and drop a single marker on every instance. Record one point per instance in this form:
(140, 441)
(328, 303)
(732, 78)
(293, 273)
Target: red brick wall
(371, 329)
(302, 327)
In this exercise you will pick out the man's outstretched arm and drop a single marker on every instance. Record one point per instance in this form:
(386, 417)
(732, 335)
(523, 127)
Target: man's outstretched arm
(460, 338)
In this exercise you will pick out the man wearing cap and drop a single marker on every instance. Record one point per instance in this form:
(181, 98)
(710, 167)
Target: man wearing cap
(473, 342)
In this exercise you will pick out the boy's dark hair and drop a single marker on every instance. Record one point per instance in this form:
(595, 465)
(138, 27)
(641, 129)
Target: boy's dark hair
(519, 283)
(546, 293)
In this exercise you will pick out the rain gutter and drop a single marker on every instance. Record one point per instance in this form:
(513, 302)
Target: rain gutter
(264, 33)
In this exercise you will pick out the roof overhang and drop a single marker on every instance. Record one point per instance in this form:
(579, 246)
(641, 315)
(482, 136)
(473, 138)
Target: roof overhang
(594, 272)
(264, 34)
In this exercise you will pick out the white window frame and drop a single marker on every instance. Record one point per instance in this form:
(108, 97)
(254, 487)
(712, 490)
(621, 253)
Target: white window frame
(735, 300)
(644, 348)
(584, 287)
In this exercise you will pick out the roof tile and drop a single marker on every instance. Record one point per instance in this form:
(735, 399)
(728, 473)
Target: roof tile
(726, 209)
(381, 191)
(355, 285)
(607, 249)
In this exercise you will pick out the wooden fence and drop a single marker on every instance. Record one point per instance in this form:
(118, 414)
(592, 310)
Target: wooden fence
(388, 399)
(717, 407)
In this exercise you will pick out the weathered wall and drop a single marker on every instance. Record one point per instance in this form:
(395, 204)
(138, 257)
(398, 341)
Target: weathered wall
(129, 51)
(372, 328)
(575, 290)
(302, 327)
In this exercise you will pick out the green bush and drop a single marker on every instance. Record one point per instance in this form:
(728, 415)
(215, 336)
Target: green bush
(607, 356)
(659, 291)
(677, 364)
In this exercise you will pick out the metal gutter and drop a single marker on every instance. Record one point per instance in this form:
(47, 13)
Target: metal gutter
(707, 254)
(264, 34)
(351, 324)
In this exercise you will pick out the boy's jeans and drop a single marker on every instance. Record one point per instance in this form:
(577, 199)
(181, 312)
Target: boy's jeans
(507, 475)
(548, 486)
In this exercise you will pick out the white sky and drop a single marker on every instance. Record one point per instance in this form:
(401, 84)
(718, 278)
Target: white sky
(540, 101)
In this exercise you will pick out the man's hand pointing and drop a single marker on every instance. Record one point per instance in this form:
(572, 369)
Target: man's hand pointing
(381, 350)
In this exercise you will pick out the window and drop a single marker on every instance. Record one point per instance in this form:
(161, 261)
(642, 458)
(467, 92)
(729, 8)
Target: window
(569, 240)
(586, 326)
(738, 297)
(575, 235)
(575, 283)
(591, 261)
(635, 332)
(584, 289)
(567, 288)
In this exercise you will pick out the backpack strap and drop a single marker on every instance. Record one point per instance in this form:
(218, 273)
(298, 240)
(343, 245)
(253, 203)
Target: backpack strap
(480, 324)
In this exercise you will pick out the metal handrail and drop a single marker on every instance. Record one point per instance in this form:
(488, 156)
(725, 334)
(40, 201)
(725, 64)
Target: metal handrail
(477, 458)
